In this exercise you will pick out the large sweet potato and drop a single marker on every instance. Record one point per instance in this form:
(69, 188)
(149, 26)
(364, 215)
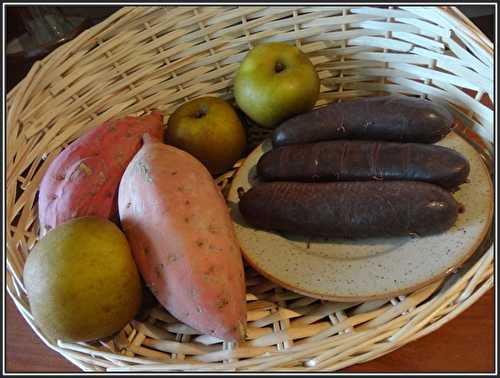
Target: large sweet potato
(183, 240)
(84, 178)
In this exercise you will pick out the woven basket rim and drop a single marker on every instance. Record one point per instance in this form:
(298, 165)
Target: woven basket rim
(471, 28)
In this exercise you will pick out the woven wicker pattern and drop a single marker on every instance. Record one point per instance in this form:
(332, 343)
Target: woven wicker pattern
(142, 58)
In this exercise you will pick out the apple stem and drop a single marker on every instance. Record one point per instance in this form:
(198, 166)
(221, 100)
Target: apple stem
(278, 67)
(202, 112)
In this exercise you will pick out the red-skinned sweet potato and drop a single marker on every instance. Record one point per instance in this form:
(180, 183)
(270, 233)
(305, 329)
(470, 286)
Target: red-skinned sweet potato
(183, 240)
(84, 178)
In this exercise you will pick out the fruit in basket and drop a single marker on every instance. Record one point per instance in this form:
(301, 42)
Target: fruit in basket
(210, 130)
(183, 240)
(395, 118)
(356, 160)
(274, 82)
(350, 209)
(83, 179)
(82, 281)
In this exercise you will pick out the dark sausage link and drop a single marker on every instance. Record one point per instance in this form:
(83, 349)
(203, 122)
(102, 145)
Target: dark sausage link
(393, 118)
(350, 209)
(364, 160)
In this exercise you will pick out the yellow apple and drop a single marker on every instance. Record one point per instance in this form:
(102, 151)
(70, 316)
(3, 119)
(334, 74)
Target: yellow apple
(209, 129)
(274, 82)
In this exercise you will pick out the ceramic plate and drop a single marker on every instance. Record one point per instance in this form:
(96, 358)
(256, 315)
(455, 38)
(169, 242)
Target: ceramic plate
(347, 270)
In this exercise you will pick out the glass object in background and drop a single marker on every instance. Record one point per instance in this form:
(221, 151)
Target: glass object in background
(45, 24)
(38, 31)
(46, 28)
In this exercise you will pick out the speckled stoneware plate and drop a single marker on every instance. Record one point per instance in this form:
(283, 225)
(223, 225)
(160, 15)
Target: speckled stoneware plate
(348, 270)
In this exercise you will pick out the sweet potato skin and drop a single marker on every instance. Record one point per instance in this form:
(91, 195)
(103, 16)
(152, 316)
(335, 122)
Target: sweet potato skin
(83, 179)
(350, 209)
(183, 240)
(393, 118)
(365, 160)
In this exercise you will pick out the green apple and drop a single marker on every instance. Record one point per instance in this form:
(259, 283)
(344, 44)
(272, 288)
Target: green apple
(275, 81)
(209, 129)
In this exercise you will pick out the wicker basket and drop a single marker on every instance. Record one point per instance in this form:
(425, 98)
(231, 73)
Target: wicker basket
(159, 57)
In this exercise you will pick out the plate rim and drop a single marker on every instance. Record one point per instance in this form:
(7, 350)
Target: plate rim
(233, 192)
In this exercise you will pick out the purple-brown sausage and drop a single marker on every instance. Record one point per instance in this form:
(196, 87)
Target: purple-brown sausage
(364, 160)
(394, 118)
(350, 209)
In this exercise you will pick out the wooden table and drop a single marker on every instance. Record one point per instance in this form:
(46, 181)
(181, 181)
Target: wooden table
(465, 344)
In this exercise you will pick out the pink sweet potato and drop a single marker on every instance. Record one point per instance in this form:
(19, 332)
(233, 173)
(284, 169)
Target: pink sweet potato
(84, 178)
(183, 240)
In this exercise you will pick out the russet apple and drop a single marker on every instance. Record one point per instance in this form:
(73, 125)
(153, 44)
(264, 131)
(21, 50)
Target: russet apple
(274, 82)
(209, 129)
